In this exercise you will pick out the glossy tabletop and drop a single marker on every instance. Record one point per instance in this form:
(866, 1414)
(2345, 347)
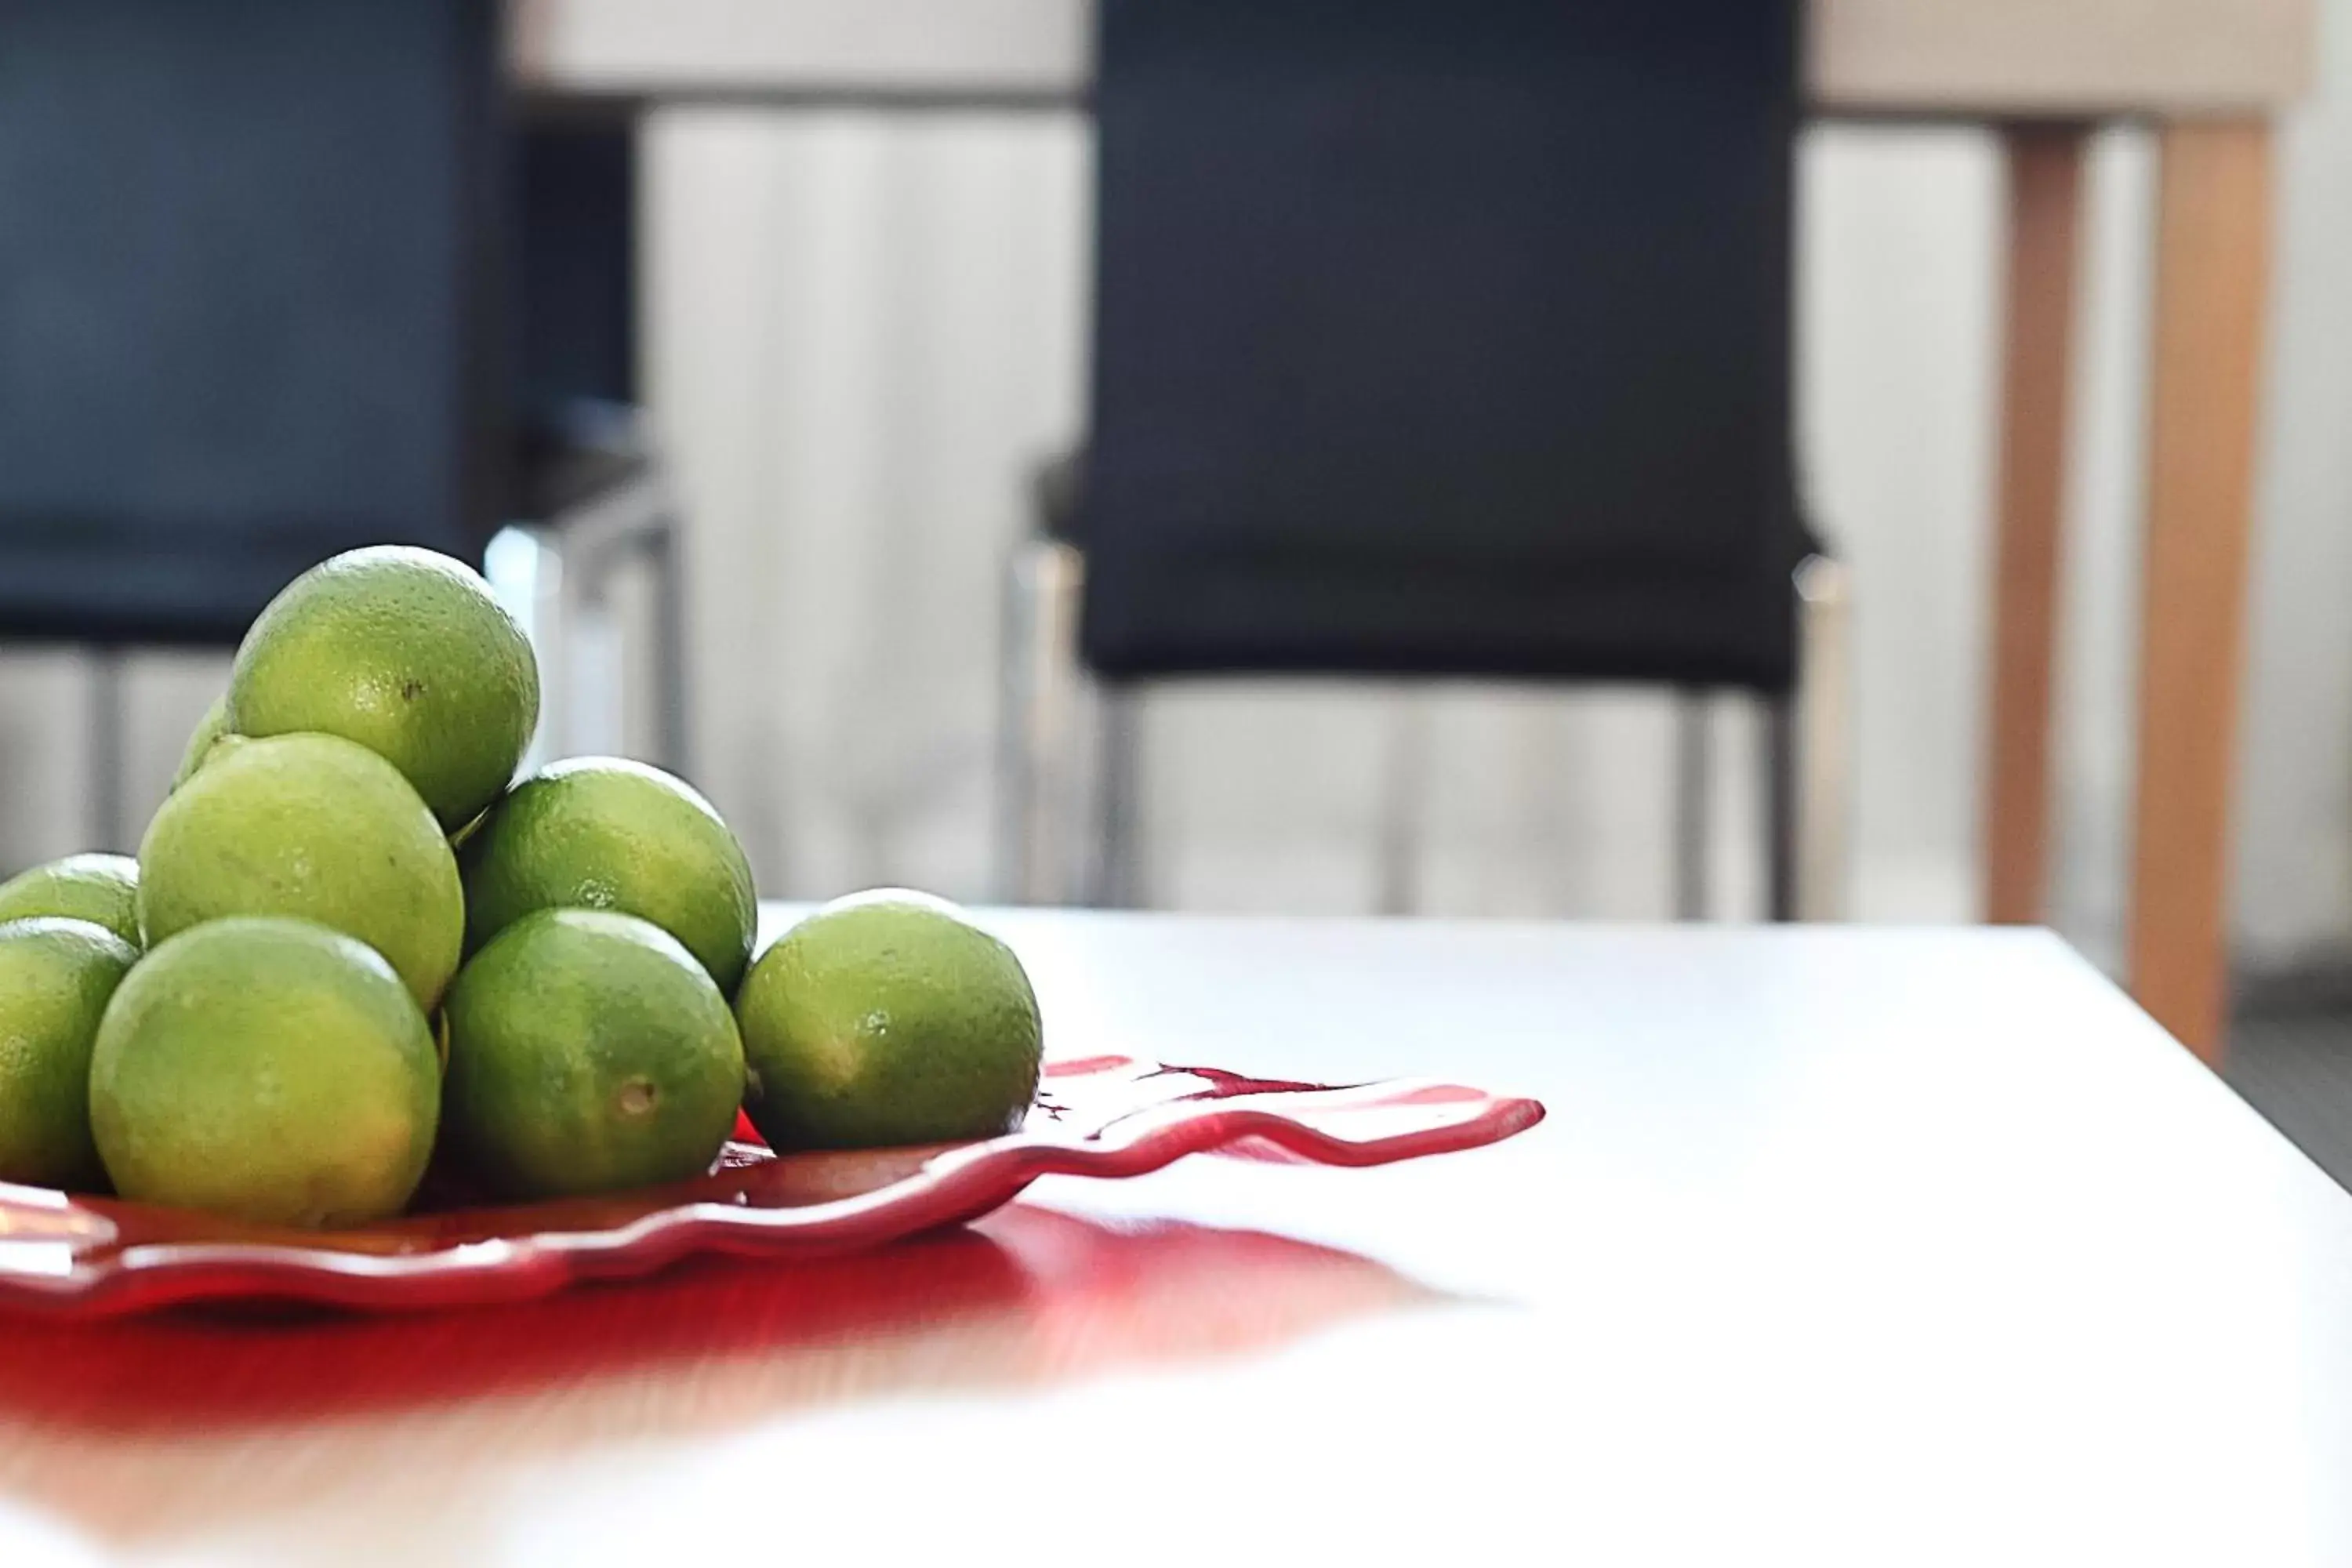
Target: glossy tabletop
(1836, 1247)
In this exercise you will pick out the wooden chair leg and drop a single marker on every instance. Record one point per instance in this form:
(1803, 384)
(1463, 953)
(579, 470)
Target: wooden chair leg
(2212, 267)
(2045, 170)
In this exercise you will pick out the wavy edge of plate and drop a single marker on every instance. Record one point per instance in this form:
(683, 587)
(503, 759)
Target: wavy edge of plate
(954, 1186)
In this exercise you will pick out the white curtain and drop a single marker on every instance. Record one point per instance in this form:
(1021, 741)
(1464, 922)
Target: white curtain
(862, 332)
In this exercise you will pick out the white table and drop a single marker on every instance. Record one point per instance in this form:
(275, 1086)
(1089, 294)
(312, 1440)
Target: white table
(1837, 1247)
(2210, 74)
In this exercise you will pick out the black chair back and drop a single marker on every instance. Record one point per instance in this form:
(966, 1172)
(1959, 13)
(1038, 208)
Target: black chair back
(572, 287)
(1443, 338)
(247, 269)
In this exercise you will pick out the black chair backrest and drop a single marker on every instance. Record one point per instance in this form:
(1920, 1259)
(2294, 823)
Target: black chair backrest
(1443, 338)
(247, 269)
(573, 283)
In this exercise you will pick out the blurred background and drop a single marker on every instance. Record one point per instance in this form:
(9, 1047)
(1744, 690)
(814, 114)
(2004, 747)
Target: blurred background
(860, 317)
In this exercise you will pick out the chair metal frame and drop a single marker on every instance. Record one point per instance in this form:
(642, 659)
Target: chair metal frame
(1069, 751)
(634, 519)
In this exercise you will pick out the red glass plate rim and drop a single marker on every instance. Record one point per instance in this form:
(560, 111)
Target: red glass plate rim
(957, 1185)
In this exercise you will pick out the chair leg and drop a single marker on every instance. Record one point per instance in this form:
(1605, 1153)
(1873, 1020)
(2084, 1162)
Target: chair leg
(1404, 806)
(588, 544)
(674, 722)
(1116, 880)
(1820, 807)
(1693, 803)
(594, 707)
(1779, 809)
(553, 636)
(108, 752)
(1036, 742)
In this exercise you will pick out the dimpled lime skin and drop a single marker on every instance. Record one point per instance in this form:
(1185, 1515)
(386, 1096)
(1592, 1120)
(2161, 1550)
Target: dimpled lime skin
(406, 652)
(269, 1071)
(878, 1022)
(599, 833)
(56, 976)
(100, 889)
(589, 1052)
(318, 828)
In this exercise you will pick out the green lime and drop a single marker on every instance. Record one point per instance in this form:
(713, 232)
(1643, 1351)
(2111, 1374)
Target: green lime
(405, 652)
(315, 828)
(596, 833)
(589, 1052)
(55, 978)
(267, 1070)
(100, 889)
(212, 728)
(884, 1019)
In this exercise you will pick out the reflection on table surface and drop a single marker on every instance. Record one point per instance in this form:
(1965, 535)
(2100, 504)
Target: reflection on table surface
(196, 1422)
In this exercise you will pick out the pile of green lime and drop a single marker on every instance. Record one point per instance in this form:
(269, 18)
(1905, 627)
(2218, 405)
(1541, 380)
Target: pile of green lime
(353, 941)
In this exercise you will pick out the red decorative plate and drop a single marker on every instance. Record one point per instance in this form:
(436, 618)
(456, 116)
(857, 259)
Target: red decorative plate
(1104, 1115)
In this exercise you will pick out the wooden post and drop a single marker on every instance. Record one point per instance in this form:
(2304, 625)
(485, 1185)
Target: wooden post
(2046, 168)
(2212, 266)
